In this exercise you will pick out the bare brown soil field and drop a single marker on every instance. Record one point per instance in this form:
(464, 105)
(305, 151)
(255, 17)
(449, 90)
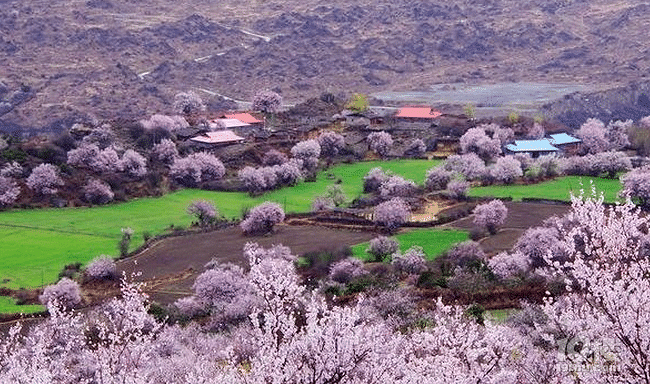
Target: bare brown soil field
(520, 217)
(170, 266)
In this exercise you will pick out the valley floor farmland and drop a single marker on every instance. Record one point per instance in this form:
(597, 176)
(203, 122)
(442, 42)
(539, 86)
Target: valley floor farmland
(37, 243)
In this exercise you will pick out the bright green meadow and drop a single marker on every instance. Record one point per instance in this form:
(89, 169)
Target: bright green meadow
(556, 189)
(434, 241)
(37, 243)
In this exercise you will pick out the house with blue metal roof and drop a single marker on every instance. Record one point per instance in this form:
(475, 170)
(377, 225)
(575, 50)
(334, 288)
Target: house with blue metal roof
(568, 144)
(533, 147)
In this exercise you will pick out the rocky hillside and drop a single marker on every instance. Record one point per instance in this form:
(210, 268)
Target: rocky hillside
(79, 60)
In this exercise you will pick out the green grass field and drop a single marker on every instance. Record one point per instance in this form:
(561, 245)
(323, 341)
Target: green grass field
(8, 305)
(557, 189)
(434, 241)
(37, 243)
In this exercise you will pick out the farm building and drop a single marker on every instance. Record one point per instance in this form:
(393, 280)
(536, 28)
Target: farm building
(566, 143)
(224, 137)
(243, 117)
(417, 114)
(533, 147)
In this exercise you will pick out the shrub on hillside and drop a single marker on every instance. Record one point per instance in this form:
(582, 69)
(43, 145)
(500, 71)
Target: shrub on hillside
(267, 101)
(197, 167)
(437, 179)
(107, 161)
(12, 169)
(165, 151)
(9, 191)
(134, 163)
(415, 149)
(97, 192)
(44, 179)
(274, 157)
(380, 142)
(164, 122)
(188, 103)
(331, 143)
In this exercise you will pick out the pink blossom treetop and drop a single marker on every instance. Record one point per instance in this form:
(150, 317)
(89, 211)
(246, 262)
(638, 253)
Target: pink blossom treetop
(9, 191)
(331, 143)
(165, 151)
(204, 211)
(397, 186)
(267, 101)
(469, 165)
(475, 140)
(617, 134)
(413, 261)
(107, 161)
(134, 163)
(83, 156)
(44, 179)
(98, 192)
(437, 179)
(274, 157)
(346, 270)
(506, 170)
(610, 163)
(380, 142)
(262, 218)
(197, 167)
(457, 189)
(593, 134)
(66, 293)
(536, 131)
(392, 214)
(490, 215)
(102, 268)
(636, 185)
(308, 151)
(164, 122)
(382, 246)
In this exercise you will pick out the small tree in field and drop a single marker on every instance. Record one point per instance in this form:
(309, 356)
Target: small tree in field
(322, 203)
(267, 102)
(457, 189)
(98, 192)
(381, 246)
(636, 185)
(44, 179)
(380, 142)
(66, 293)
(412, 262)
(204, 211)
(102, 268)
(437, 179)
(392, 214)
(347, 270)
(262, 218)
(9, 191)
(490, 215)
(188, 103)
(374, 179)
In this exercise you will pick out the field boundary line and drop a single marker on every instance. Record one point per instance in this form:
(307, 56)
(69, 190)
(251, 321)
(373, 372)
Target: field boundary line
(117, 236)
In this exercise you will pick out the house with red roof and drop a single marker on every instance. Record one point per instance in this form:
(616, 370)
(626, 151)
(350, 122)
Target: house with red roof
(417, 113)
(243, 117)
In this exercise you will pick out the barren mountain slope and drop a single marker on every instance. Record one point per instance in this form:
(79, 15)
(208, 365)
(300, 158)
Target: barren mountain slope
(80, 60)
